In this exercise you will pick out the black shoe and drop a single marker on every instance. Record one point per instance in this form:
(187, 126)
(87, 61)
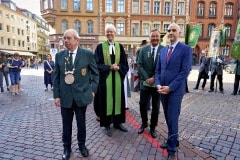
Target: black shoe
(210, 90)
(195, 88)
(164, 145)
(222, 91)
(141, 129)
(202, 88)
(153, 133)
(108, 131)
(234, 94)
(171, 156)
(2, 90)
(84, 151)
(8, 89)
(66, 154)
(120, 127)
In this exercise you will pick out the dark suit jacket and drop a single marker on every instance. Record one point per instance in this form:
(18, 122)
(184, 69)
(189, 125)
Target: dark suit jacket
(146, 66)
(175, 72)
(86, 78)
(216, 66)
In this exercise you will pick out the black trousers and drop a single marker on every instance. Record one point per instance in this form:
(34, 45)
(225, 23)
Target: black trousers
(67, 118)
(202, 75)
(236, 83)
(220, 80)
(144, 98)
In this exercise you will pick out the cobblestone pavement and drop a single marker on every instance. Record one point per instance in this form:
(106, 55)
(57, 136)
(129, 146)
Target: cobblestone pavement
(30, 126)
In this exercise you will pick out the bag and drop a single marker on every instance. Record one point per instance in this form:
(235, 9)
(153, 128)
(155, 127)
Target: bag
(6, 70)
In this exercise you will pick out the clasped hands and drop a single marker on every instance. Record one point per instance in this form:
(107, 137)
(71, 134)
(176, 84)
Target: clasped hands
(114, 67)
(163, 89)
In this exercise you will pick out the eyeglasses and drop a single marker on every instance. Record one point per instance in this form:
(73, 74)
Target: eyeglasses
(173, 30)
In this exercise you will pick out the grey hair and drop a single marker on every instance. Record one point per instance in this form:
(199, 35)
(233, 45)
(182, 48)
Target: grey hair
(75, 33)
(110, 26)
(176, 25)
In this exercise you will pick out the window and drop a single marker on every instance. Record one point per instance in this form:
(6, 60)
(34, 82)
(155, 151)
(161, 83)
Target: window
(228, 30)
(120, 28)
(13, 29)
(181, 8)
(109, 6)
(165, 27)
(157, 26)
(13, 42)
(146, 29)
(64, 5)
(9, 41)
(210, 29)
(89, 5)
(146, 7)
(0, 13)
(200, 9)
(45, 4)
(135, 7)
(90, 27)
(120, 6)
(182, 30)
(2, 40)
(76, 5)
(51, 4)
(156, 8)
(1, 26)
(201, 33)
(64, 25)
(19, 43)
(226, 50)
(135, 29)
(167, 8)
(228, 11)
(77, 26)
(8, 28)
(212, 10)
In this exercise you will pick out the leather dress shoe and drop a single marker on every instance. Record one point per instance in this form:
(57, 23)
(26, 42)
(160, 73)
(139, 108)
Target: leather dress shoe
(171, 157)
(164, 145)
(210, 90)
(120, 127)
(84, 151)
(141, 129)
(234, 94)
(153, 133)
(108, 131)
(66, 154)
(195, 88)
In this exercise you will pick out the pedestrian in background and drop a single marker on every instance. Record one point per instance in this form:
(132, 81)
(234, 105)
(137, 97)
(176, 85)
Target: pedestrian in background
(147, 61)
(236, 77)
(48, 72)
(113, 66)
(75, 83)
(203, 70)
(173, 67)
(216, 70)
(15, 66)
(3, 74)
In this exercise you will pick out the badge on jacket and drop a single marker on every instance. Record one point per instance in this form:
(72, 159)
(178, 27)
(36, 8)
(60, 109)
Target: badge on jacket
(83, 71)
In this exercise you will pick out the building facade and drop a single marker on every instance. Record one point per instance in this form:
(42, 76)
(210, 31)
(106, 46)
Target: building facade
(19, 30)
(212, 15)
(133, 19)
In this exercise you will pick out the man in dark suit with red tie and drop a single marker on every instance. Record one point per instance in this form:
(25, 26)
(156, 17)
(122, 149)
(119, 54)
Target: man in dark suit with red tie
(173, 67)
(147, 60)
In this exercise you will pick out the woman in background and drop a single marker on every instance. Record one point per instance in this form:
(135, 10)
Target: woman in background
(48, 72)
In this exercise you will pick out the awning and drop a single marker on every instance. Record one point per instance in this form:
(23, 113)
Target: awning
(20, 53)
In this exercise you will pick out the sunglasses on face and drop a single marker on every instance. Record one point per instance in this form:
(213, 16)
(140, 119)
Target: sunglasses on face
(173, 30)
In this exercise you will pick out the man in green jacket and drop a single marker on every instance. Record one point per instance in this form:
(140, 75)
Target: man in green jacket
(75, 83)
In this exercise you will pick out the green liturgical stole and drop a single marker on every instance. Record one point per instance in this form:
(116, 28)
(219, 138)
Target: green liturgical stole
(109, 82)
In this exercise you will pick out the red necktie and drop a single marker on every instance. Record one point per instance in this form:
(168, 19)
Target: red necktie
(169, 53)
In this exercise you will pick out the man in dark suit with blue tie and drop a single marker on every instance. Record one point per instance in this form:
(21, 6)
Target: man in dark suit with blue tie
(147, 60)
(173, 67)
(75, 83)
